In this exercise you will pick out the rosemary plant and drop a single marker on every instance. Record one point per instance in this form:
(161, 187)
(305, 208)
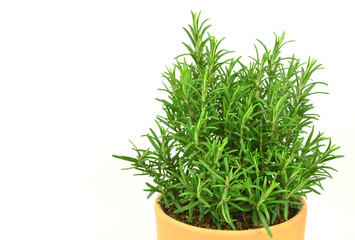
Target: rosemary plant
(235, 138)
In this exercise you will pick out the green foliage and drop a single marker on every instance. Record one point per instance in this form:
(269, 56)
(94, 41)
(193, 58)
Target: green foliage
(234, 137)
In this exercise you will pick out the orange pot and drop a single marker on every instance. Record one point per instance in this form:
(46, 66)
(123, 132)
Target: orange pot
(170, 229)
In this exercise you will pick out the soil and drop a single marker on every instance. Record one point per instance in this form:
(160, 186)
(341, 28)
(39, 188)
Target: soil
(243, 222)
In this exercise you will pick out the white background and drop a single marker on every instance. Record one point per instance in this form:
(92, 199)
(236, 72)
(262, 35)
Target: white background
(78, 79)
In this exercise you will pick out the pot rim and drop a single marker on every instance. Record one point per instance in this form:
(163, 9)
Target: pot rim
(292, 221)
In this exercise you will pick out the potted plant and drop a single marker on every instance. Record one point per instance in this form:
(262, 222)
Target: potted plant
(236, 149)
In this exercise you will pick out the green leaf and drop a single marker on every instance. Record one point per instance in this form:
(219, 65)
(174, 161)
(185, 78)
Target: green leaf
(129, 159)
(187, 207)
(226, 215)
(210, 170)
(264, 222)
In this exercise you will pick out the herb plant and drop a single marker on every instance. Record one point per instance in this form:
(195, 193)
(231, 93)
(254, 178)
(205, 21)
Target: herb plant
(235, 138)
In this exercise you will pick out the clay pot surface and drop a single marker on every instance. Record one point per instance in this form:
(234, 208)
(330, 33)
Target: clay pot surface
(170, 229)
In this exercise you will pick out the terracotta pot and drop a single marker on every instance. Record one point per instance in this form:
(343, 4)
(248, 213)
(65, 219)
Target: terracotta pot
(171, 229)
